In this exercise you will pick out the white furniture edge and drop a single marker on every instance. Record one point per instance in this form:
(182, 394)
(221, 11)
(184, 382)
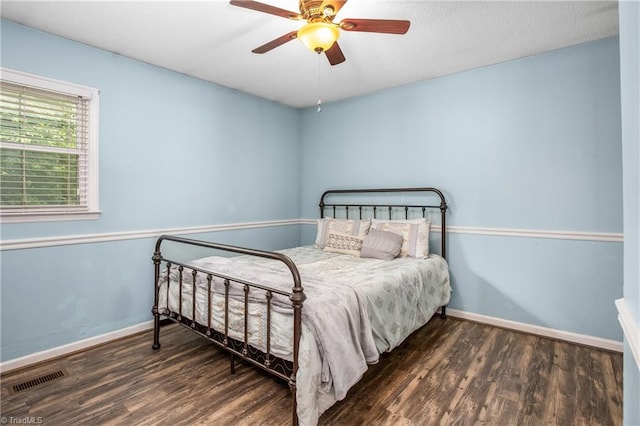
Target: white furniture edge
(148, 325)
(582, 339)
(27, 243)
(630, 329)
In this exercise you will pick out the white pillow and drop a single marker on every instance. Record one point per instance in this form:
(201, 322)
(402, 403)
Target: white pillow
(343, 243)
(415, 235)
(356, 227)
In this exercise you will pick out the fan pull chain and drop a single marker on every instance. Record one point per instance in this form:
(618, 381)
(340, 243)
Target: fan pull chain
(319, 100)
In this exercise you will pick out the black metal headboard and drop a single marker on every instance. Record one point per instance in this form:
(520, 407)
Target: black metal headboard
(389, 209)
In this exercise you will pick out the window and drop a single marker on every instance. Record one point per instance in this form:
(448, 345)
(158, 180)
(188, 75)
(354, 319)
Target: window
(48, 149)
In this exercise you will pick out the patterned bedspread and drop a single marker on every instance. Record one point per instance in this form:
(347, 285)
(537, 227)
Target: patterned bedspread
(356, 308)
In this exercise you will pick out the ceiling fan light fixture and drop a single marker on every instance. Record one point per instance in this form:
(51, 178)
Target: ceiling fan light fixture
(318, 36)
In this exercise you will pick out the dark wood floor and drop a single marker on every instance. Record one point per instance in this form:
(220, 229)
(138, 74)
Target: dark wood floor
(450, 372)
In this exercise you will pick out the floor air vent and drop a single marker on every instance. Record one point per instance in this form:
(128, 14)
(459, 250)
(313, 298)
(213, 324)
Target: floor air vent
(20, 387)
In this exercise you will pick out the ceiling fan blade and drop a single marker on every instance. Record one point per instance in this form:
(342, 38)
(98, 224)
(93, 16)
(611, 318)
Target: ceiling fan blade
(276, 42)
(388, 26)
(335, 55)
(266, 8)
(336, 5)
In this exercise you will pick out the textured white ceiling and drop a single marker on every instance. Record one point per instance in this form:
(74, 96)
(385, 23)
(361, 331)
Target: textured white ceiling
(212, 40)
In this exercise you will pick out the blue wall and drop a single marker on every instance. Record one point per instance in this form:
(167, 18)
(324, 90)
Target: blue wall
(629, 13)
(530, 144)
(175, 152)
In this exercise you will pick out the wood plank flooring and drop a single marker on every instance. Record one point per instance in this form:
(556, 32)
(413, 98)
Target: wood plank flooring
(450, 372)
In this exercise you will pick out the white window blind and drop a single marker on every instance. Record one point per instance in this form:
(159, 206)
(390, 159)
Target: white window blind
(46, 157)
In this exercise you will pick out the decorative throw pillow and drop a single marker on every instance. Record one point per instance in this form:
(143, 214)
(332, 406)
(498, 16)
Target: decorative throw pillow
(415, 235)
(338, 242)
(356, 227)
(383, 245)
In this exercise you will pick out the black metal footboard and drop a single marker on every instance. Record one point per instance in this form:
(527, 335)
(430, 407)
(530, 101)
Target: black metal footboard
(240, 348)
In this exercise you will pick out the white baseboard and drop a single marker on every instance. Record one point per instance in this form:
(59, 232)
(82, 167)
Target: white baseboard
(630, 329)
(568, 336)
(148, 325)
(73, 347)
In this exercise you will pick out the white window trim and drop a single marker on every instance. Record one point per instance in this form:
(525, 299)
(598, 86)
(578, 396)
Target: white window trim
(47, 215)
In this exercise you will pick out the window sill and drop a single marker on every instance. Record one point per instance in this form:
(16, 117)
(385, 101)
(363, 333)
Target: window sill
(48, 217)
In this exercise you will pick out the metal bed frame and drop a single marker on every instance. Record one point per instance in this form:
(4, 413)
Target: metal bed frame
(279, 367)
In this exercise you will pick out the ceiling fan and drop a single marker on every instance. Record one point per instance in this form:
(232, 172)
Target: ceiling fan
(320, 33)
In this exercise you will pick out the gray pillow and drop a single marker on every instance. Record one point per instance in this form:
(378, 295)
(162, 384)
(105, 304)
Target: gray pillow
(383, 245)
